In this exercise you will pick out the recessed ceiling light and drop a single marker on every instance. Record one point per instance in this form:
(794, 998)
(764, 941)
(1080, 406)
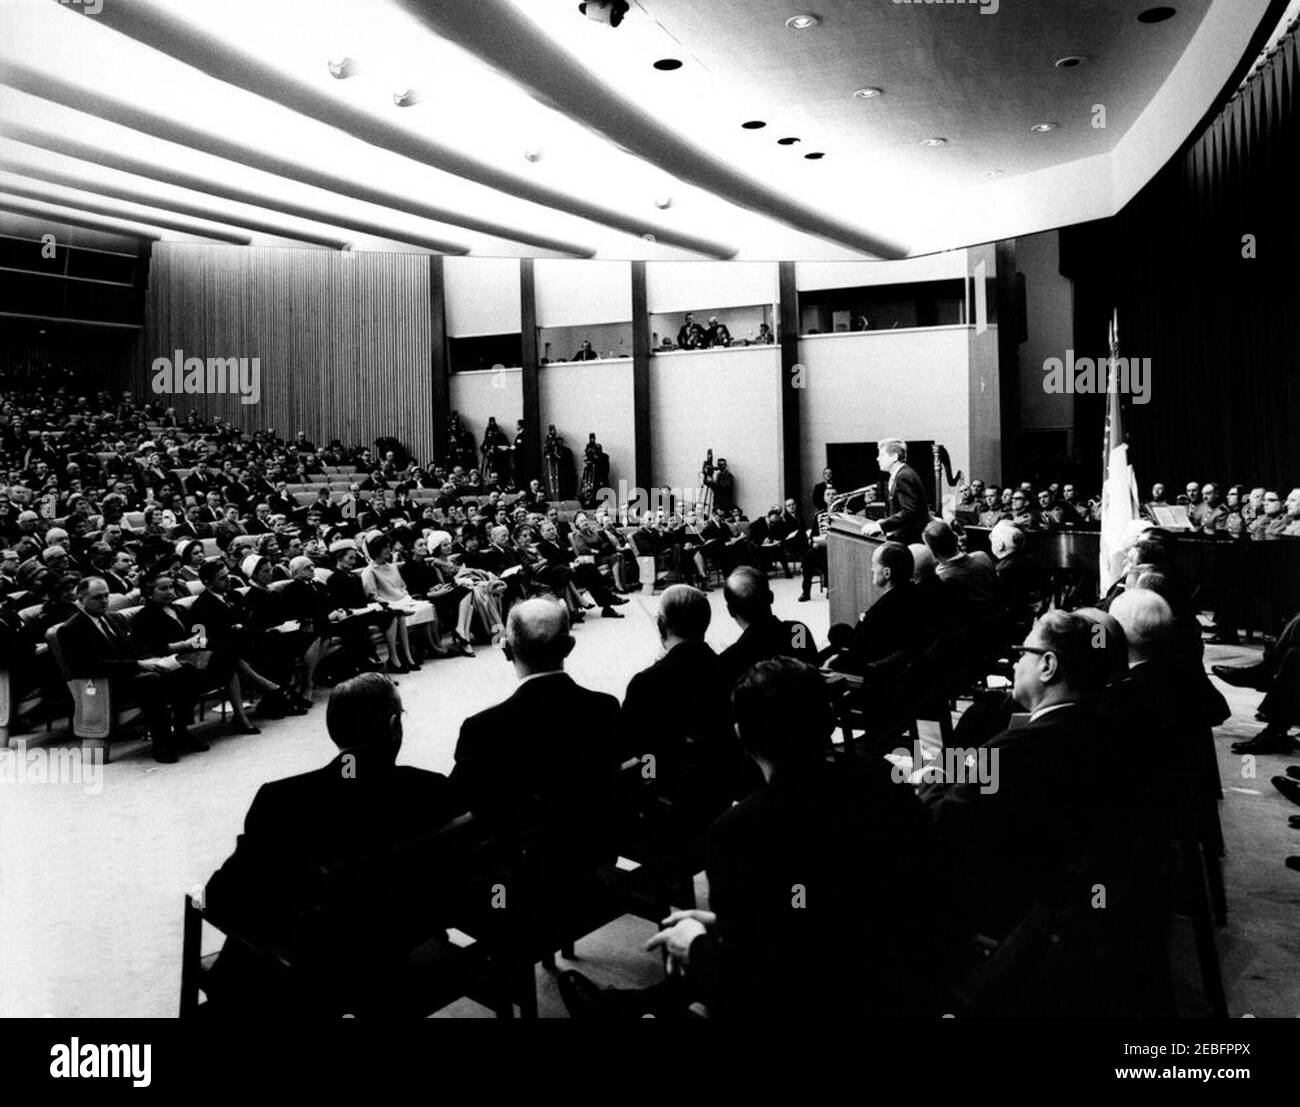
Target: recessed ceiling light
(1043, 128)
(995, 173)
(343, 68)
(532, 155)
(934, 142)
(868, 93)
(648, 237)
(663, 203)
(1157, 15)
(754, 125)
(815, 155)
(1070, 61)
(803, 21)
(407, 97)
(668, 64)
(790, 140)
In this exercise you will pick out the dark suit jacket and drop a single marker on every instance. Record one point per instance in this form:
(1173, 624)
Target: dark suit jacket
(900, 621)
(220, 619)
(1044, 835)
(342, 812)
(908, 511)
(697, 756)
(544, 763)
(154, 628)
(88, 652)
(764, 641)
(813, 878)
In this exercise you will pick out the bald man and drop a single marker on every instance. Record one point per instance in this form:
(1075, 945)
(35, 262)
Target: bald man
(763, 636)
(546, 759)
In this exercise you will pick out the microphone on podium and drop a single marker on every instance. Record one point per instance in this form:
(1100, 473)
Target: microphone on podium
(847, 496)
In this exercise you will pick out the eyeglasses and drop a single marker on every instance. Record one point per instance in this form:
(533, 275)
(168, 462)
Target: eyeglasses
(1020, 651)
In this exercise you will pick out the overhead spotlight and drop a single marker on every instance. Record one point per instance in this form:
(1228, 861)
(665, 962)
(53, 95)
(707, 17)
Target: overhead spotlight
(802, 22)
(868, 93)
(533, 155)
(648, 237)
(991, 173)
(343, 68)
(1044, 128)
(663, 203)
(610, 12)
(407, 97)
(932, 142)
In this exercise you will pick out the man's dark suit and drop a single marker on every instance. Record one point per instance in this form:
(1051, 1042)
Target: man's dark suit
(762, 641)
(117, 586)
(814, 878)
(113, 654)
(698, 761)
(544, 763)
(898, 623)
(560, 557)
(908, 511)
(1042, 836)
(358, 807)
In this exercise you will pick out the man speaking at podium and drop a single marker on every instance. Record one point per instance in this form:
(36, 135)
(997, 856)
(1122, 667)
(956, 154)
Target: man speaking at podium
(908, 511)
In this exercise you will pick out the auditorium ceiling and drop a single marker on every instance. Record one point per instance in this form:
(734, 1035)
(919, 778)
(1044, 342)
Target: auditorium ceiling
(524, 127)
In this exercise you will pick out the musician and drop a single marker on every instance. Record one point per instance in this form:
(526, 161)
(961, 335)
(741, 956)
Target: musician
(908, 513)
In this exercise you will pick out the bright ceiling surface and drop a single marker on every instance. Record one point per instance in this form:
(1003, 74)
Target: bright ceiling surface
(528, 128)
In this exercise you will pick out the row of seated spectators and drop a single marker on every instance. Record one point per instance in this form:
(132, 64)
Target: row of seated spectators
(1255, 513)
(816, 861)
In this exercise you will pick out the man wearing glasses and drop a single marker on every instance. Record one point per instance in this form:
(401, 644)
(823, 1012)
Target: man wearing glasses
(1036, 844)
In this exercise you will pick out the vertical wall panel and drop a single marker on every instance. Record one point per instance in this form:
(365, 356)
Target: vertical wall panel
(343, 339)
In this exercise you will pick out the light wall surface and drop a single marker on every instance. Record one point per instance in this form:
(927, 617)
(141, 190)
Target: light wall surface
(727, 400)
(586, 396)
(885, 384)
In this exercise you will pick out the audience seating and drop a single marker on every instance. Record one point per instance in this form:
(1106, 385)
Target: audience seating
(443, 869)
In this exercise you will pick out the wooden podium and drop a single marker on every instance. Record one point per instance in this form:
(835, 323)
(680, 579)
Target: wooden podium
(848, 568)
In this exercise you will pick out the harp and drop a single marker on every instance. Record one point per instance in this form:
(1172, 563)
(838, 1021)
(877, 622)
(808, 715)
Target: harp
(942, 469)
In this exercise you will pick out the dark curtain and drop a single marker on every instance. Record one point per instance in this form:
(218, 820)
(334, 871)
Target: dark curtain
(1222, 330)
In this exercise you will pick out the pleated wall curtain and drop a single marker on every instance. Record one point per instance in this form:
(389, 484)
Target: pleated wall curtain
(1222, 328)
(343, 339)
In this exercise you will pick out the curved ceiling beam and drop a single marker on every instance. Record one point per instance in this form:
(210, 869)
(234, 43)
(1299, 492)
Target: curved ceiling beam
(161, 30)
(85, 151)
(98, 103)
(98, 207)
(56, 214)
(493, 31)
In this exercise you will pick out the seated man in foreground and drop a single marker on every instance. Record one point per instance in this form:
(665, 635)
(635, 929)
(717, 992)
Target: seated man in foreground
(542, 765)
(361, 807)
(814, 881)
(763, 635)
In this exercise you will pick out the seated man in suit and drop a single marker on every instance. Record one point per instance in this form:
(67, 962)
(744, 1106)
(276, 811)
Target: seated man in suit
(1023, 583)
(767, 534)
(763, 635)
(697, 761)
(895, 629)
(812, 879)
(99, 646)
(541, 766)
(560, 558)
(361, 806)
(1277, 675)
(1036, 839)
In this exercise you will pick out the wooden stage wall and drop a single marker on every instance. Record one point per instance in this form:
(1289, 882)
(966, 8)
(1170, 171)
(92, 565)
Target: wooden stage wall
(344, 339)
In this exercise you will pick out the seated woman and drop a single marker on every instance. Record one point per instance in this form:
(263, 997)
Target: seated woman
(190, 552)
(383, 583)
(430, 576)
(279, 647)
(162, 629)
(489, 590)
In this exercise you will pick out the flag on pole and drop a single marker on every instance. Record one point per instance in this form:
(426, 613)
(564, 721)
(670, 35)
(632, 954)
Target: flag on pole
(1119, 492)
